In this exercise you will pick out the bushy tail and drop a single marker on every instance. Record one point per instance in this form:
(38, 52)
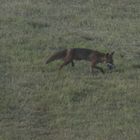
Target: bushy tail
(56, 56)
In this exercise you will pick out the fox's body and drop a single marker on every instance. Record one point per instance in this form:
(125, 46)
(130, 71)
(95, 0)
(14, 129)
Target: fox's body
(69, 55)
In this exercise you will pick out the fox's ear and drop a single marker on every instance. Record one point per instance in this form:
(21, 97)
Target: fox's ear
(112, 53)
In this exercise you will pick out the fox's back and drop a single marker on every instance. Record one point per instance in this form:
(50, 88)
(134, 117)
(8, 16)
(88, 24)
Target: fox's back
(82, 53)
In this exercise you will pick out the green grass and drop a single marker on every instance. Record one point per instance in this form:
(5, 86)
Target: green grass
(38, 102)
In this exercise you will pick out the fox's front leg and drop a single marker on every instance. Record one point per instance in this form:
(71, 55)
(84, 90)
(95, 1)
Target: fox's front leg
(93, 65)
(99, 68)
(72, 63)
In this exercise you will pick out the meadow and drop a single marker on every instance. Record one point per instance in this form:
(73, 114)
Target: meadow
(37, 102)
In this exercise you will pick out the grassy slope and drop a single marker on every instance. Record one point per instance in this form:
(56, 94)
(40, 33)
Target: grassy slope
(39, 103)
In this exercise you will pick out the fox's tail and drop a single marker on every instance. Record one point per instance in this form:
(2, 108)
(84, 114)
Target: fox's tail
(56, 56)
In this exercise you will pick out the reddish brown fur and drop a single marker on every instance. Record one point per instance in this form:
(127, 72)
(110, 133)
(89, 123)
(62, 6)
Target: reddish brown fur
(95, 57)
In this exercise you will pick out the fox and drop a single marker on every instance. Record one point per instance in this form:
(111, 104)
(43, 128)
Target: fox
(93, 56)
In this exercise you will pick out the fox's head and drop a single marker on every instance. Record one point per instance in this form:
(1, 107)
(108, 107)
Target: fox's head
(109, 60)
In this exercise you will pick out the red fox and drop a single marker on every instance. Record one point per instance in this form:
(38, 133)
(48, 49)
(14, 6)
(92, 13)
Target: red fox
(95, 57)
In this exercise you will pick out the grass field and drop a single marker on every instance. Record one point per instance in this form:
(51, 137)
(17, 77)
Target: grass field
(39, 103)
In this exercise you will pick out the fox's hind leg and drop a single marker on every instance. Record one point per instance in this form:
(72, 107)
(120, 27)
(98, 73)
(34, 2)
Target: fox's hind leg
(65, 63)
(92, 67)
(68, 59)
